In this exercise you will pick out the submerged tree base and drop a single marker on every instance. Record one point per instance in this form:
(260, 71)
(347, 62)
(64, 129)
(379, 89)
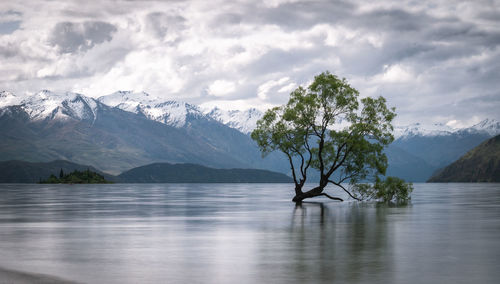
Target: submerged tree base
(388, 190)
(299, 198)
(317, 191)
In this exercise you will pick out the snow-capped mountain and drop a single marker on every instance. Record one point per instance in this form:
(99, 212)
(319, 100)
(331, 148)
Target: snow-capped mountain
(175, 113)
(490, 126)
(172, 113)
(47, 126)
(417, 129)
(244, 121)
(487, 126)
(46, 104)
(8, 99)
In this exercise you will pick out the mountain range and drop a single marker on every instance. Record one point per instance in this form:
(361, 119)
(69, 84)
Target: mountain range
(124, 130)
(70, 126)
(418, 151)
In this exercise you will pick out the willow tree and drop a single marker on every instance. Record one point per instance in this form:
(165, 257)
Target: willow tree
(327, 127)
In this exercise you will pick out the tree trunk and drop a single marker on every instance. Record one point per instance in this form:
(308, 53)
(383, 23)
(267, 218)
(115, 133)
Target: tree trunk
(298, 189)
(317, 191)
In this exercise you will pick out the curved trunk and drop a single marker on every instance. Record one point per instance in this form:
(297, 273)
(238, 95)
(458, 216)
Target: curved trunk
(308, 194)
(317, 191)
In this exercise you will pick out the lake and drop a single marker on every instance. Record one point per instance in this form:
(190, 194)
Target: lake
(246, 233)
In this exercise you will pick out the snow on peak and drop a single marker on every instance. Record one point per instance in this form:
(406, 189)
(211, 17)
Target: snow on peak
(46, 104)
(127, 100)
(8, 99)
(417, 129)
(173, 113)
(244, 121)
(491, 126)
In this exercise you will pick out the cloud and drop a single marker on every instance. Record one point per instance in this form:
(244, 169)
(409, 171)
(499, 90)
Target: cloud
(162, 24)
(221, 88)
(264, 89)
(79, 37)
(434, 61)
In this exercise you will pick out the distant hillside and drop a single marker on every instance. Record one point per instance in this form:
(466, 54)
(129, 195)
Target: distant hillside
(481, 164)
(27, 172)
(191, 173)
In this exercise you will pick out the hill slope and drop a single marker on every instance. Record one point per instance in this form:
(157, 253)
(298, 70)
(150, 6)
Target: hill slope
(191, 173)
(481, 164)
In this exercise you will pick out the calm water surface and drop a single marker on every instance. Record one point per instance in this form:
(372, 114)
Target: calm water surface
(226, 233)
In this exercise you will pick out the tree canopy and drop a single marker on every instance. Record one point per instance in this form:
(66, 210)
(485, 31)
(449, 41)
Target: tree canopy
(327, 127)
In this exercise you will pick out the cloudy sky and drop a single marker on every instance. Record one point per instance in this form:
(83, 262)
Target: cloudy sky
(436, 61)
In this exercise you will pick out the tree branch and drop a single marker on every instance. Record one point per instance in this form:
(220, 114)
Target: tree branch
(293, 168)
(339, 150)
(308, 148)
(333, 169)
(331, 197)
(340, 185)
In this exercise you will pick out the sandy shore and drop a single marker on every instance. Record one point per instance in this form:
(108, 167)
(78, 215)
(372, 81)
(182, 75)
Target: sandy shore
(8, 276)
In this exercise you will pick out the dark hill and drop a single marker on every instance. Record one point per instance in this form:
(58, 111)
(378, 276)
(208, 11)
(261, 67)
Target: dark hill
(481, 164)
(191, 173)
(26, 172)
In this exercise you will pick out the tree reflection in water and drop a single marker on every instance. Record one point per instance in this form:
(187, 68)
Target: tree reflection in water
(331, 242)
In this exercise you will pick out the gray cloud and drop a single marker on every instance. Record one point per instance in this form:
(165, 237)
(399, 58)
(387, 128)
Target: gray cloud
(434, 61)
(74, 37)
(161, 23)
(297, 15)
(8, 50)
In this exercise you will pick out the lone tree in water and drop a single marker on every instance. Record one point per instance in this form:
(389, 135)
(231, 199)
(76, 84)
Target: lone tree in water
(326, 127)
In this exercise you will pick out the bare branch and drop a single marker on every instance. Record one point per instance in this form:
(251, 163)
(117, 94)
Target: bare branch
(341, 186)
(333, 169)
(293, 168)
(331, 197)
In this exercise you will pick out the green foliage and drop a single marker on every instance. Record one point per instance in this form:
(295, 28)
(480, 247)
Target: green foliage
(392, 189)
(77, 177)
(327, 127)
(51, 179)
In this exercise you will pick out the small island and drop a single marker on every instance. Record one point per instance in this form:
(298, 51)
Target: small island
(76, 177)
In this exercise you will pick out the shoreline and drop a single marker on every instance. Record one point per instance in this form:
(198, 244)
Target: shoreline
(21, 277)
